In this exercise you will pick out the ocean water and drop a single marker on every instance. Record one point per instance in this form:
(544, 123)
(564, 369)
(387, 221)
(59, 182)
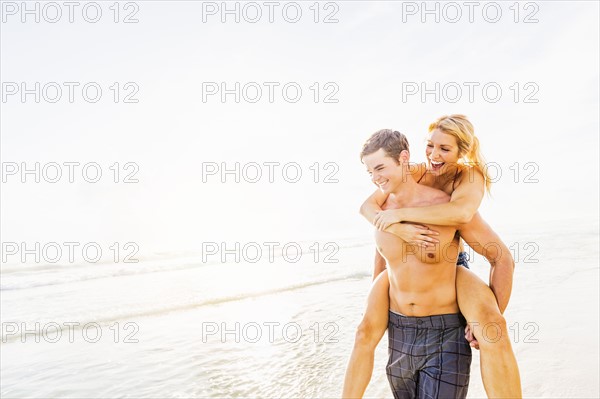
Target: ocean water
(178, 327)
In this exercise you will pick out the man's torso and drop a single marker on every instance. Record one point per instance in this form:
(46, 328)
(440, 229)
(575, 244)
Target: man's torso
(422, 281)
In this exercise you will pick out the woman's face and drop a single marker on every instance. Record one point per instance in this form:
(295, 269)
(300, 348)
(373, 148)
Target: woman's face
(441, 150)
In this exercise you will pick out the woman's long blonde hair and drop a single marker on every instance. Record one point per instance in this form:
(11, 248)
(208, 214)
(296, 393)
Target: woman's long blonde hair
(468, 144)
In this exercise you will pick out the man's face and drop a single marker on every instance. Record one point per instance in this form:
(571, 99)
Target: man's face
(385, 172)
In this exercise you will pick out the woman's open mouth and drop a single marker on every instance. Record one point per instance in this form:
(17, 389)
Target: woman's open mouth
(436, 165)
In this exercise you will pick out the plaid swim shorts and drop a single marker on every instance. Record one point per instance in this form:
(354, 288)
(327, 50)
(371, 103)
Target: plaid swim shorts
(463, 259)
(429, 356)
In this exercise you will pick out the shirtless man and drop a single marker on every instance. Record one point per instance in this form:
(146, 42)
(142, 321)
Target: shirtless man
(429, 355)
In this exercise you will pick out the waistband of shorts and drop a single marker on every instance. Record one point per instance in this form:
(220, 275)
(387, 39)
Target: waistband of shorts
(438, 321)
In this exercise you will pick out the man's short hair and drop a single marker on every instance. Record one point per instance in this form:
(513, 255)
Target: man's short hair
(392, 142)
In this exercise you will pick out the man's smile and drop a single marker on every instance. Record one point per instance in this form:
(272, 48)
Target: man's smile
(381, 183)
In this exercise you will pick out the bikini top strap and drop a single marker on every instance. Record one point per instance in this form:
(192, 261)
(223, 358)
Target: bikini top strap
(424, 173)
(454, 180)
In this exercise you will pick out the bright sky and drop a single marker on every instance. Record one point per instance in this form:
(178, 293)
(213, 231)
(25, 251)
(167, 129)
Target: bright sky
(374, 61)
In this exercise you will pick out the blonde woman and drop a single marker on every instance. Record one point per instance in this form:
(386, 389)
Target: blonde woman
(455, 166)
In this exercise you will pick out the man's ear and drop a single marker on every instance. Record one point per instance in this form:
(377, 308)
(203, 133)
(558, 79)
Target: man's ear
(404, 156)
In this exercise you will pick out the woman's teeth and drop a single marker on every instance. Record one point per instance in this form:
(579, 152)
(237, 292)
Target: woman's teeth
(436, 165)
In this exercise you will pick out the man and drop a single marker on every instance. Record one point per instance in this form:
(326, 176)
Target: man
(429, 355)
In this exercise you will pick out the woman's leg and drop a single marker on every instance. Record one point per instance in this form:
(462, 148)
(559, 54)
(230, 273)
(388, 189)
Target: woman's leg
(368, 334)
(477, 303)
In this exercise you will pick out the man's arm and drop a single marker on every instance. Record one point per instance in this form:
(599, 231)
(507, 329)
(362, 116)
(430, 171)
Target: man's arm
(379, 264)
(480, 236)
(464, 202)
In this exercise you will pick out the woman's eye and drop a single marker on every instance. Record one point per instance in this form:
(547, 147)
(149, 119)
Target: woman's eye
(445, 150)
(430, 145)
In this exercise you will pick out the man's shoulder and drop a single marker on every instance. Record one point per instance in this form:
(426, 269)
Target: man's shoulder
(432, 196)
(418, 169)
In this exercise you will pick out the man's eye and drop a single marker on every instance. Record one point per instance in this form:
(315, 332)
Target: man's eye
(430, 145)
(445, 150)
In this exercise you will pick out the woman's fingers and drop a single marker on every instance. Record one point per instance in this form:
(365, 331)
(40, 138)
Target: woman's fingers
(429, 239)
(429, 232)
(468, 333)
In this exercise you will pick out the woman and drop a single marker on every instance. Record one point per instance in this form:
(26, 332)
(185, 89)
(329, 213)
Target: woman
(455, 166)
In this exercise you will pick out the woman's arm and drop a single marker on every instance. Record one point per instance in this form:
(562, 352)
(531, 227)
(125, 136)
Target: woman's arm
(464, 202)
(372, 205)
(411, 233)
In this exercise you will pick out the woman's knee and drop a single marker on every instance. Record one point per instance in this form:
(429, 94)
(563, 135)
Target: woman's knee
(490, 314)
(366, 334)
(491, 330)
(493, 336)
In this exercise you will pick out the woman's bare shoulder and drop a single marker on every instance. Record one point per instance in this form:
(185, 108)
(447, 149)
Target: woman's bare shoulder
(417, 169)
(467, 173)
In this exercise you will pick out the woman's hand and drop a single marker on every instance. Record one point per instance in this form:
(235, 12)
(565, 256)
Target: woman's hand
(384, 219)
(415, 234)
